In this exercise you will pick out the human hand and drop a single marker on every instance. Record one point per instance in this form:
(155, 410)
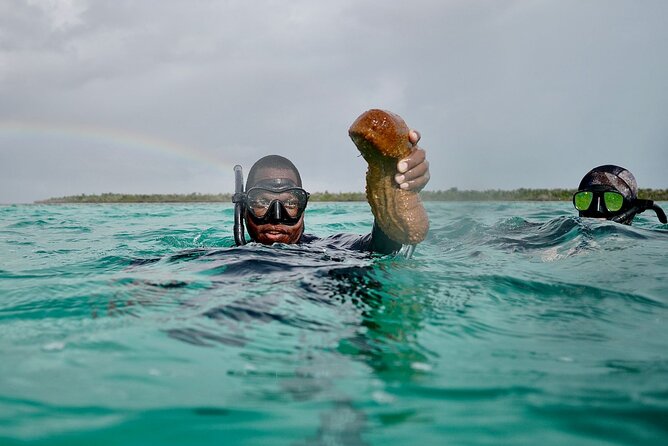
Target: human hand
(413, 171)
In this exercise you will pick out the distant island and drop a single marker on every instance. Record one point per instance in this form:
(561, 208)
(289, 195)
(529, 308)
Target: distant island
(452, 194)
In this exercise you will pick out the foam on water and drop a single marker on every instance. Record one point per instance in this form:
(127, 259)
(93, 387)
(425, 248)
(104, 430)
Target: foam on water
(513, 323)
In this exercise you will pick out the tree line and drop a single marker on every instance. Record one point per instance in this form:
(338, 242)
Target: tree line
(452, 194)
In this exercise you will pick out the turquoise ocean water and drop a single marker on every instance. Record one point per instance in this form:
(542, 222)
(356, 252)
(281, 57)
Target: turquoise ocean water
(514, 323)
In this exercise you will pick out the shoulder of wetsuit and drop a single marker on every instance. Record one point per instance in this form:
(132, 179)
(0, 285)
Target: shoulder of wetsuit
(307, 238)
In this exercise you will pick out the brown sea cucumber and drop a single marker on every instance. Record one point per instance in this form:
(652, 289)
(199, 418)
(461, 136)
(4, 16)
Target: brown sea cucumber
(382, 138)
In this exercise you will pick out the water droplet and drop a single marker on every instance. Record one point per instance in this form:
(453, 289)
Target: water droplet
(54, 346)
(421, 366)
(382, 397)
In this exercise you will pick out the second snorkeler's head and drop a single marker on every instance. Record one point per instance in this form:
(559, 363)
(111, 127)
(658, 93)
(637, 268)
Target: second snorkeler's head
(611, 192)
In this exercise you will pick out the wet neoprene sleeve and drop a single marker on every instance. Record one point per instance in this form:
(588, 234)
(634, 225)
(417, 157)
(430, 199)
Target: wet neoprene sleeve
(376, 242)
(381, 243)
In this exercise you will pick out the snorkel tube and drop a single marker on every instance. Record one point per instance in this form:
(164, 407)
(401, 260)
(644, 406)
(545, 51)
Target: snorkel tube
(238, 200)
(640, 206)
(659, 212)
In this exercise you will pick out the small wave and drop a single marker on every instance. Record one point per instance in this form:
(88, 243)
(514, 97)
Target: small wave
(204, 338)
(29, 224)
(518, 289)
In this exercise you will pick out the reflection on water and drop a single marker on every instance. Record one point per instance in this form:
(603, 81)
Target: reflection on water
(511, 322)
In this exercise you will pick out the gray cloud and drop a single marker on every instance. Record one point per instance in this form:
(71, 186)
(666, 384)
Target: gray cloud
(506, 94)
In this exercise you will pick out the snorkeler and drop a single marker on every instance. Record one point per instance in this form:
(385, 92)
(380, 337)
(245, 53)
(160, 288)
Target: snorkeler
(611, 192)
(274, 202)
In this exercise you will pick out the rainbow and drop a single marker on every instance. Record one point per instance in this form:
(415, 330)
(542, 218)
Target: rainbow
(114, 137)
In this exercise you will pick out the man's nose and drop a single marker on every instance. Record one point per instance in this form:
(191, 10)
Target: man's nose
(599, 204)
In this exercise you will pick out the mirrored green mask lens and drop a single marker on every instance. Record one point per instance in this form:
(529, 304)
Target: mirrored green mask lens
(613, 201)
(582, 200)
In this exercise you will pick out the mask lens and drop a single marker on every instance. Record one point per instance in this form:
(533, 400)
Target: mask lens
(613, 201)
(292, 207)
(582, 200)
(258, 202)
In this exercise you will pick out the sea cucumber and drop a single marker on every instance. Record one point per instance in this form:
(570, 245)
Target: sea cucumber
(382, 138)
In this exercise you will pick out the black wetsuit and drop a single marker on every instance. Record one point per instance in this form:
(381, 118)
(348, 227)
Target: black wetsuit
(376, 242)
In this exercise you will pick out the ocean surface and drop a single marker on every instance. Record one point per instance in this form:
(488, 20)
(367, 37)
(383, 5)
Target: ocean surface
(513, 324)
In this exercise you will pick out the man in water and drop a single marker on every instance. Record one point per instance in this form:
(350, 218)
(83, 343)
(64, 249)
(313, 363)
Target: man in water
(275, 201)
(611, 192)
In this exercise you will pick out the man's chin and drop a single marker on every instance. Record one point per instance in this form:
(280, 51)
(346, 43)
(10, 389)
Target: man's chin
(269, 237)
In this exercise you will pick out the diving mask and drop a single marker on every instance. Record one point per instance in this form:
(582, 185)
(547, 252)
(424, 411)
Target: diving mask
(278, 201)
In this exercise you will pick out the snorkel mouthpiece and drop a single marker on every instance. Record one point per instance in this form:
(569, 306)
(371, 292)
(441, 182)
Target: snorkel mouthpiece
(626, 217)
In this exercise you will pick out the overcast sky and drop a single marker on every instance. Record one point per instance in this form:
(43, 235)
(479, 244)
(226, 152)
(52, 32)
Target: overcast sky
(161, 96)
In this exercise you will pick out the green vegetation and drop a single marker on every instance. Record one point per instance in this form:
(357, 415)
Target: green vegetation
(140, 198)
(452, 194)
(340, 196)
